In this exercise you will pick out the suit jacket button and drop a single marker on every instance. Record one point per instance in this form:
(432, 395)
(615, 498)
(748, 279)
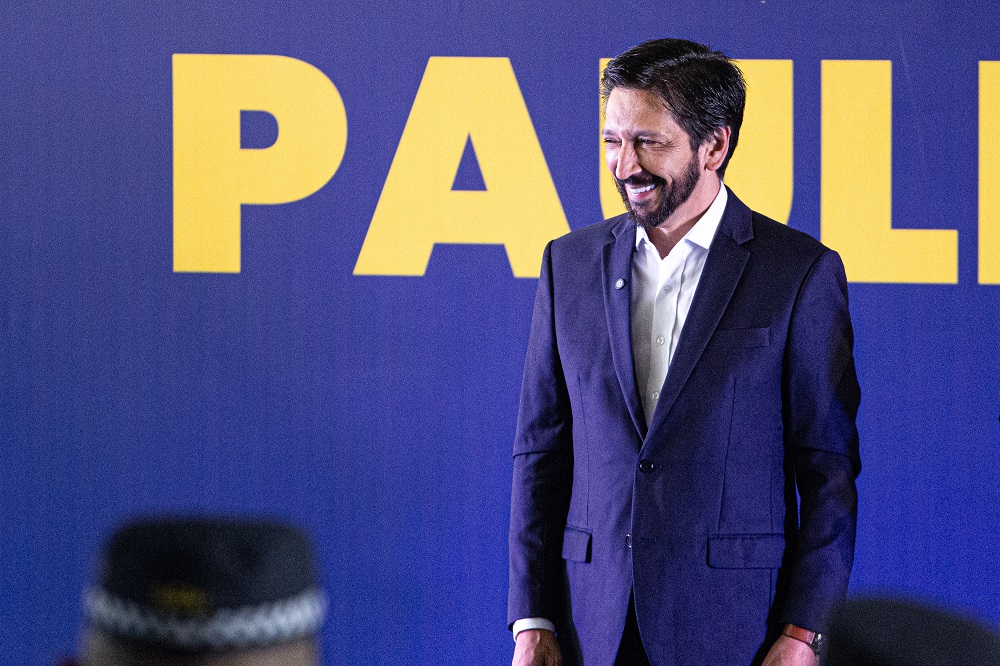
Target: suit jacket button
(646, 466)
(628, 540)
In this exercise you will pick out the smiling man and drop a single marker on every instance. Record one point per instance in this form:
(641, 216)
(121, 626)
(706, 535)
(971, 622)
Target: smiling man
(686, 451)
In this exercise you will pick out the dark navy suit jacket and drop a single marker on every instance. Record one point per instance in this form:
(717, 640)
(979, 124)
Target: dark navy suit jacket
(734, 512)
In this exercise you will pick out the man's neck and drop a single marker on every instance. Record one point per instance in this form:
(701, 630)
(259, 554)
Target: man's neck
(670, 232)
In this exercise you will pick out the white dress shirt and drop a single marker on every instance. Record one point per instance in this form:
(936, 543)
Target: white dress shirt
(662, 291)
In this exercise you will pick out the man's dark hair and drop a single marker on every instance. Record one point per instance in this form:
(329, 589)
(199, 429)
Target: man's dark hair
(702, 88)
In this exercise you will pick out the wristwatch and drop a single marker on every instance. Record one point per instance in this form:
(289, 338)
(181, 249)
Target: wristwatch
(813, 639)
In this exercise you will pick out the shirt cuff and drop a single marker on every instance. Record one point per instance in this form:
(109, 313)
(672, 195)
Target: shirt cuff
(532, 623)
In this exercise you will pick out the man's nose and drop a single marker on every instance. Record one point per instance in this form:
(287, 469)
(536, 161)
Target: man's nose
(627, 163)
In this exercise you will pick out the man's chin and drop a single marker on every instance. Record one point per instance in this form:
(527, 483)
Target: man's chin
(648, 214)
(645, 219)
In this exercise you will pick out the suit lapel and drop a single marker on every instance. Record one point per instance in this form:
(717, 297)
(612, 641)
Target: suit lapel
(723, 269)
(618, 308)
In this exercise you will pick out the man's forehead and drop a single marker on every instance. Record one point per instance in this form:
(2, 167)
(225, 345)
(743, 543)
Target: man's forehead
(633, 110)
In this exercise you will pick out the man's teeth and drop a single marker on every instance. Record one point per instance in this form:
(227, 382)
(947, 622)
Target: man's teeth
(640, 190)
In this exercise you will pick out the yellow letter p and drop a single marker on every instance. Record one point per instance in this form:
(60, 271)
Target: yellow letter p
(213, 176)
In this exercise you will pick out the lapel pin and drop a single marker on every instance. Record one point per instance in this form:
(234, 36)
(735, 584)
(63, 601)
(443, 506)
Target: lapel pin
(620, 283)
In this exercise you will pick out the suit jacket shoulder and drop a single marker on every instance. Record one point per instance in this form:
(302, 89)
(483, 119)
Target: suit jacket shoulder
(782, 242)
(585, 241)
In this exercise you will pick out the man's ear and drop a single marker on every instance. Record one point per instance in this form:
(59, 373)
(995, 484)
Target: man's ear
(716, 147)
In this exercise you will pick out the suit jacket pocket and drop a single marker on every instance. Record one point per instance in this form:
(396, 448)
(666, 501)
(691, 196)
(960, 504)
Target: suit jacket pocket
(576, 544)
(744, 337)
(745, 551)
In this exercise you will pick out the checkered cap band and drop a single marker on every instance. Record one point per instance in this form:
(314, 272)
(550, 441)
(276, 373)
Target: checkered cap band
(225, 629)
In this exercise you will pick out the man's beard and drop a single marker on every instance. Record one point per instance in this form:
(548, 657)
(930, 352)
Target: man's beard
(671, 196)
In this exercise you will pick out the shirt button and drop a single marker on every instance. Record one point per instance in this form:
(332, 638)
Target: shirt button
(667, 288)
(656, 395)
(628, 540)
(660, 340)
(646, 466)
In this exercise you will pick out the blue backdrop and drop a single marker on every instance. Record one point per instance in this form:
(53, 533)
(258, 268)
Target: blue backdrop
(378, 410)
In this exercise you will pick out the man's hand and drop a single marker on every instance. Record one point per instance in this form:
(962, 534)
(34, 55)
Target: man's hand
(537, 647)
(788, 651)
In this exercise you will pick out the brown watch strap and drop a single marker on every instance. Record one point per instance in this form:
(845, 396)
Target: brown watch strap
(810, 638)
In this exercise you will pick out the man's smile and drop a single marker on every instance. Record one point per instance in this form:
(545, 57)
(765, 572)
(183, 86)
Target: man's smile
(639, 188)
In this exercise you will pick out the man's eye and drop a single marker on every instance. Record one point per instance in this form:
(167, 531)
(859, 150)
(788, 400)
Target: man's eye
(611, 142)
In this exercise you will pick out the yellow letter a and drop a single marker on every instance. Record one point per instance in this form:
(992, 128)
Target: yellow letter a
(461, 98)
(213, 175)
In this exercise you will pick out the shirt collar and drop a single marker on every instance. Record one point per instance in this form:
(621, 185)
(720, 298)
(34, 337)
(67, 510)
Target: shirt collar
(703, 231)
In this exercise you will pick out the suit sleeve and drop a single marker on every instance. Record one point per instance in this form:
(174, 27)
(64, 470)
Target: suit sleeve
(543, 470)
(821, 405)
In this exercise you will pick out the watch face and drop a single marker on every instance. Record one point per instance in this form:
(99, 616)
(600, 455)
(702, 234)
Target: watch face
(817, 642)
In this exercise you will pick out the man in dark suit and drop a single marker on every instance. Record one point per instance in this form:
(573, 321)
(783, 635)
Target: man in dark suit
(686, 451)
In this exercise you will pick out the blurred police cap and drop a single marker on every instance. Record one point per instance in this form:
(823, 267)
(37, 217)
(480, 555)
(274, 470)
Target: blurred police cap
(206, 584)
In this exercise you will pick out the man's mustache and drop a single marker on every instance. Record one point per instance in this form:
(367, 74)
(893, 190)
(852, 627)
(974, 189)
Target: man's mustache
(640, 180)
